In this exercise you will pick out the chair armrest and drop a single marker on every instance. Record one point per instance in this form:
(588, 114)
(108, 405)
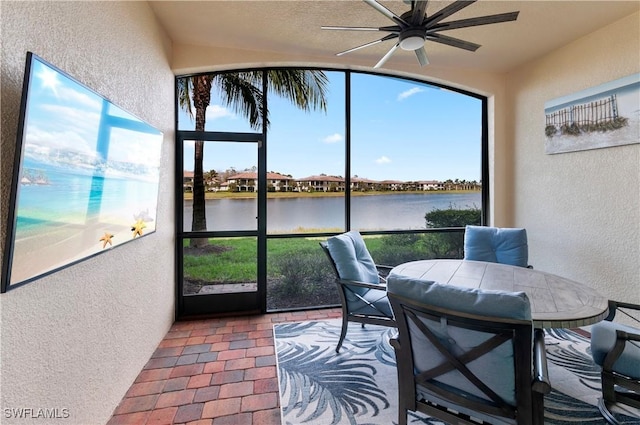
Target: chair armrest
(541, 383)
(621, 304)
(395, 343)
(627, 336)
(384, 269)
(376, 286)
(615, 306)
(383, 272)
(621, 341)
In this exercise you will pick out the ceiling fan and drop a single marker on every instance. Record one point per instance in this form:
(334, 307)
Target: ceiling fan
(414, 27)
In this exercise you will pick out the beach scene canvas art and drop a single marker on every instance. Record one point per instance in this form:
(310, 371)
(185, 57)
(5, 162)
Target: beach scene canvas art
(88, 175)
(598, 117)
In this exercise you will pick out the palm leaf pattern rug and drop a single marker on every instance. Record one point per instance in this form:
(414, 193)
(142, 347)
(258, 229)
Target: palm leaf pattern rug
(359, 385)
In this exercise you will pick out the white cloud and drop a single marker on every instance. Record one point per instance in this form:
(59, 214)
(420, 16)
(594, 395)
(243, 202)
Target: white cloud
(383, 160)
(334, 138)
(217, 111)
(49, 80)
(407, 93)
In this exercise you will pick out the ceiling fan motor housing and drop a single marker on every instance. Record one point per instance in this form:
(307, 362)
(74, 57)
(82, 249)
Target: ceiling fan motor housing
(412, 38)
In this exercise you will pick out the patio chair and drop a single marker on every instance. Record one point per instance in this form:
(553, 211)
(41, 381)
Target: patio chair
(467, 355)
(616, 348)
(496, 245)
(361, 283)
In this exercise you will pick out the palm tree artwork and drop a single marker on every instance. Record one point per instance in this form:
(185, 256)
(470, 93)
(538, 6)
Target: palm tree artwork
(243, 92)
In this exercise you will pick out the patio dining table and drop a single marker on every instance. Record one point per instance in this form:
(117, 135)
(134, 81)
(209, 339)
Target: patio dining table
(556, 302)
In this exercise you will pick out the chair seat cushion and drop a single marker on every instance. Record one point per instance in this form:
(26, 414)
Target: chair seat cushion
(603, 338)
(370, 303)
(496, 245)
(424, 394)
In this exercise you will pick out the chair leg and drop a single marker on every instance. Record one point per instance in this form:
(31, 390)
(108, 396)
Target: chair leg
(608, 395)
(343, 333)
(537, 400)
(402, 416)
(608, 387)
(606, 414)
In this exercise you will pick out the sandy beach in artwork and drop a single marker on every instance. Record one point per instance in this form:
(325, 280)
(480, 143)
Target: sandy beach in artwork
(62, 245)
(624, 136)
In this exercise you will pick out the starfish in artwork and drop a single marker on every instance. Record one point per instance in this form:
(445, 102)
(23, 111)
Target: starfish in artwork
(137, 228)
(106, 239)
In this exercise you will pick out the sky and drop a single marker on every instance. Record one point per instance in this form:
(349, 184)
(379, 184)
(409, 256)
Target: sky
(63, 120)
(401, 130)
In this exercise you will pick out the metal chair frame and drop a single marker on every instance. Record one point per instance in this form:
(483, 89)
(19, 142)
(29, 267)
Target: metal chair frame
(345, 286)
(528, 356)
(618, 388)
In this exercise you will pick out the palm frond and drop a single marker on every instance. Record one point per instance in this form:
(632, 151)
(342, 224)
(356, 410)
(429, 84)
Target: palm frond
(240, 92)
(243, 91)
(317, 380)
(372, 339)
(185, 88)
(560, 407)
(305, 88)
(294, 329)
(569, 353)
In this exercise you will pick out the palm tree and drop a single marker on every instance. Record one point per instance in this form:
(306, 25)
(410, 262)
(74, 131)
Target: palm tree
(210, 178)
(243, 92)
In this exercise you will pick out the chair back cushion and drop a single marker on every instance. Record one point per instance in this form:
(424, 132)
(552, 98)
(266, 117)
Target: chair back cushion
(496, 245)
(496, 368)
(352, 259)
(482, 302)
(603, 338)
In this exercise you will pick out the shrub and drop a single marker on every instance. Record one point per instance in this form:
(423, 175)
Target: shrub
(397, 249)
(453, 217)
(301, 272)
(449, 245)
(570, 129)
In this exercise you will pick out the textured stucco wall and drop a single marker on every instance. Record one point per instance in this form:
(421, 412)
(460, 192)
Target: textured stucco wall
(581, 209)
(78, 338)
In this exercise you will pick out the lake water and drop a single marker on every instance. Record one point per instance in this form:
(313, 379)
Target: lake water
(374, 212)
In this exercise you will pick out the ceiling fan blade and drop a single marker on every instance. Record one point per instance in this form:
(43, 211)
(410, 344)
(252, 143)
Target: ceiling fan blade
(394, 28)
(419, 8)
(445, 12)
(387, 56)
(474, 22)
(385, 38)
(421, 54)
(455, 42)
(386, 12)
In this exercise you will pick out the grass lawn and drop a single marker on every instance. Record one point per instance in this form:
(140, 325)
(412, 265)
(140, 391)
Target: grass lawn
(234, 259)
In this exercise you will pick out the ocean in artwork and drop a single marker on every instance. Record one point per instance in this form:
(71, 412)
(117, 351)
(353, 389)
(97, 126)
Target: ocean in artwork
(63, 212)
(51, 195)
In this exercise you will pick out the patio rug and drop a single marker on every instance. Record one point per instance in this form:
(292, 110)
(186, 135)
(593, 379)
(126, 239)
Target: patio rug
(359, 385)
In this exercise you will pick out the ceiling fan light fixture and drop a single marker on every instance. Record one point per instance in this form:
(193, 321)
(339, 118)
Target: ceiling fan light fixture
(412, 39)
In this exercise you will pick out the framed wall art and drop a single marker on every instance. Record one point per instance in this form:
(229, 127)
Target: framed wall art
(599, 117)
(85, 176)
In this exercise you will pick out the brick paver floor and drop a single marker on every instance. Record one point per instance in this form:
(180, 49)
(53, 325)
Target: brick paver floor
(212, 372)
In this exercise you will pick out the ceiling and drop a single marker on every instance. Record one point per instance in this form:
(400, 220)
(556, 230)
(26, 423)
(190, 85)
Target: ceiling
(292, 28)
